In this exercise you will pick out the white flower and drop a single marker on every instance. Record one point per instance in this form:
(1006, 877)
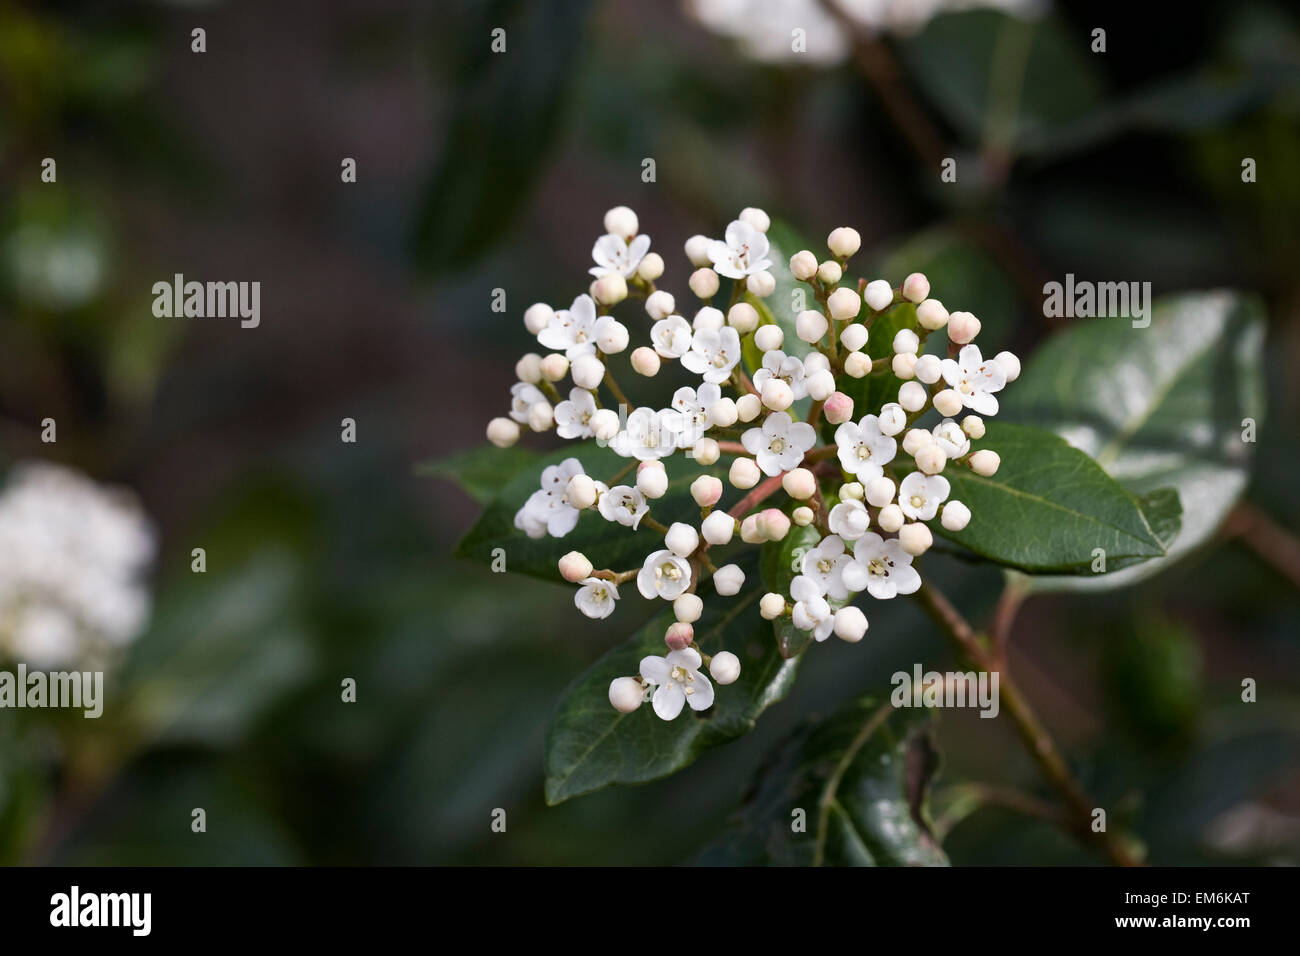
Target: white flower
(743, 253)
(787, 368)
(573, 415)
(677, 680)
(713, 354)
(850, 519)
(864, 449)
(613, 254)
(523, 397)
(780, 444)
(693, 405)
(811, 610)
(596, 597)
(546, 511)
(824, 565)
(572, 330)
(72, 557)
(624, 504)
(648, 434)
(919, 495)
(671, 337)
(882, 567)
(664, 575)
(951, 438)
(976, 379)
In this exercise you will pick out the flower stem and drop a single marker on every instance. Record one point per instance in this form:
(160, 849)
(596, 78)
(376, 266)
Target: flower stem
(1038, 742)
(758, 494)
(617, 392)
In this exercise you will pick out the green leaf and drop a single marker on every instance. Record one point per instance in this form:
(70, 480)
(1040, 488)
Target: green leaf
(613, 545)
(861, 779)
(777, 568)
(1161, 406)
(1049, 507)
(589, 745)
(480, 472)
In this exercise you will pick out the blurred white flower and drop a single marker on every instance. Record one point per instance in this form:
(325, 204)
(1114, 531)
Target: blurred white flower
(72, 558)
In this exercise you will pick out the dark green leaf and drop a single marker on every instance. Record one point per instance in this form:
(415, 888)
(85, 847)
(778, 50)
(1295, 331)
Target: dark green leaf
(480, 472)
(1048, 507)
(861, 780)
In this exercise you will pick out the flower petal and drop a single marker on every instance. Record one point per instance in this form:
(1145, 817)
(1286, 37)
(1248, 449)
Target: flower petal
(668, 700)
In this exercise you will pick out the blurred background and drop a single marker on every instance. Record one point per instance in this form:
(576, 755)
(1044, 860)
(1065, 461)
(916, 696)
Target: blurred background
(328, 560)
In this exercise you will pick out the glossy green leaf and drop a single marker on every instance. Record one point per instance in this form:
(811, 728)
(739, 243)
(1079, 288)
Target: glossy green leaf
(589, 745)
(1161, 406)
(850, 791)
(1049, 507)
(480, 472)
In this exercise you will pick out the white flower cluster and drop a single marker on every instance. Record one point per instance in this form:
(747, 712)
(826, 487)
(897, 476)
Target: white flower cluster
(869, 505)
(71, 558)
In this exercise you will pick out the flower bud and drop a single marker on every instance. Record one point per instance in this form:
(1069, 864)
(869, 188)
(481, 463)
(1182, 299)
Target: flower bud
(810, 325)
(850, 624)
(852, 491)
(912, 396)
(529, 368)
(916, 287)
(799, 484)
(962, 327)
(915, 538)
(725, 667)
(660, 304)
(829, 272)
(621, 221)
(803, 265)
(537, 317)
(761, 283)
(749, 532)
(844, 241)
(905, 340)
(955, 515)
(931, 459)
(679, 636)
(587, 371)
(916, 439)
(985, 462)
(771, 605)
(503, 432)
(820, 384)
(844, 304)
(626, 694)
(973, 426)
(651, 267)
(773, 524)
(748, 407)
(948, 402)
(604, 423)
(777, 395)
(892, 418)
(697, 250)
(839, 407)
(612, 338)
(704, 283)
(814, 361)
(904, 364)
(688, 608)
(803, 516)
(580, 492)
(928, 369)
(728, 580)
(575, 567)
(708, 318)
(880, 491)
(744, 473)
(931, 314)
(554, 367)
(682, 539)
(1010, 365)
(718, 527)
(706, 451)
(890, 518)
(854, 337)
(768, 337)
(743, 317)
(756, 218)
(706, 490)
(540, 416)
(879, 295)
(645, 361)
(723, 413)
(610, 289)
(857, 364)
(652, 479)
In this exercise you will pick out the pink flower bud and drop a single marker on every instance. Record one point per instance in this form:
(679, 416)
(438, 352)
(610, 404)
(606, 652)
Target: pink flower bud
(679, 636)
(838, 408)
